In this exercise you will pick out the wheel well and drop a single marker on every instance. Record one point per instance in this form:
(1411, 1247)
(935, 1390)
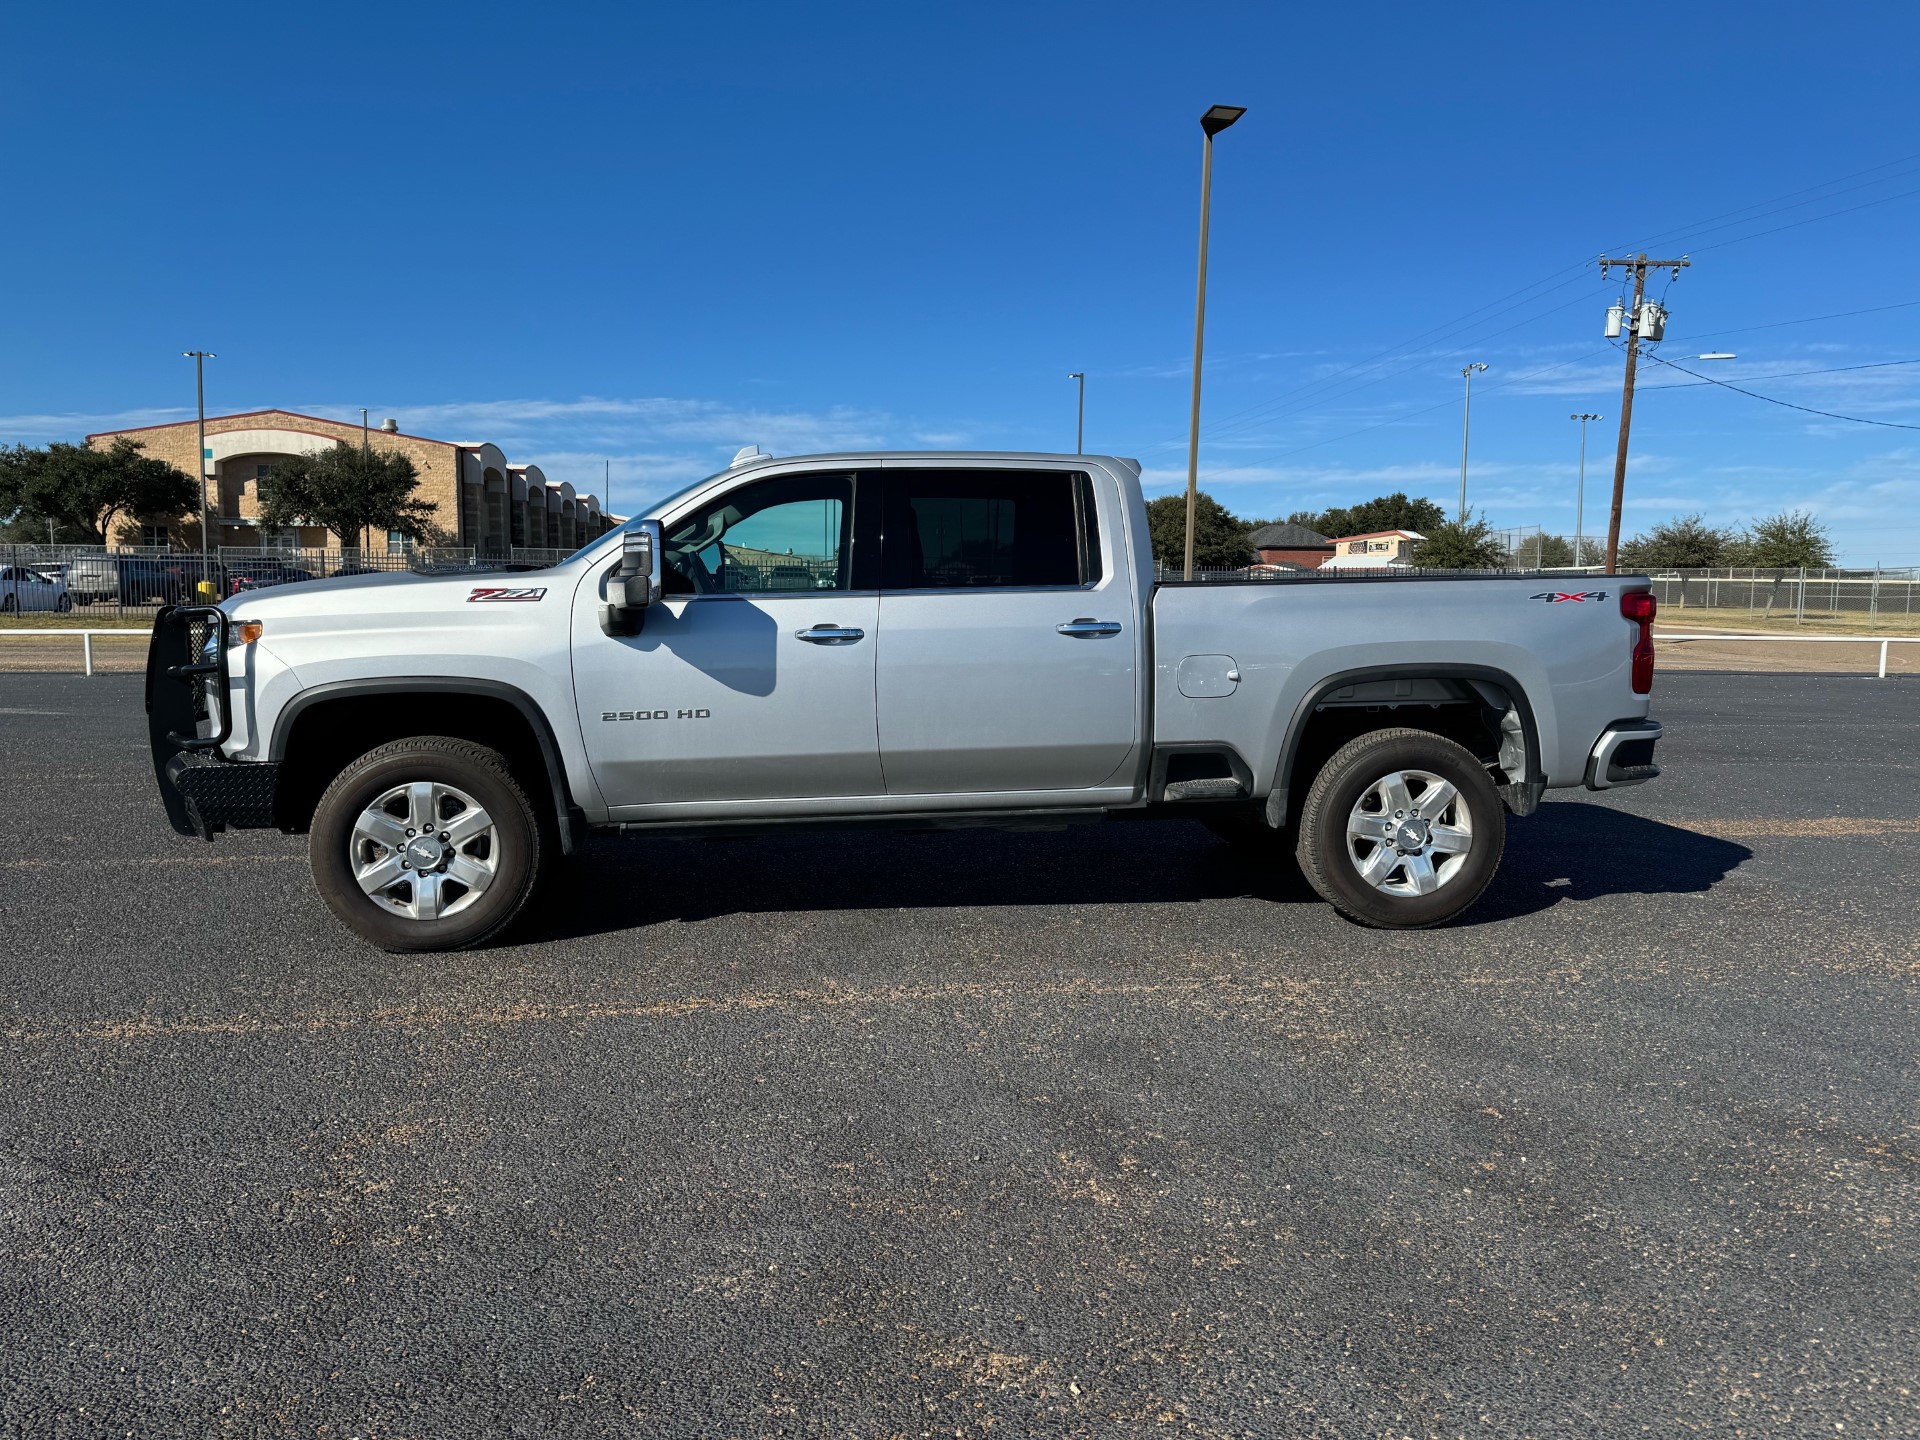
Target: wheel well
(1489, 718)
(328, 735)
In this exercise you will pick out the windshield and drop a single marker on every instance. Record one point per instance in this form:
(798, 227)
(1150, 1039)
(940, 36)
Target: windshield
(643, 509)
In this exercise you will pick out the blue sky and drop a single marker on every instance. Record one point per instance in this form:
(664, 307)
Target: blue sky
(649, 235)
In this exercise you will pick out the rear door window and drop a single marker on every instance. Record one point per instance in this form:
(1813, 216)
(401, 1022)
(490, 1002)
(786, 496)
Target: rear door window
(988, 530)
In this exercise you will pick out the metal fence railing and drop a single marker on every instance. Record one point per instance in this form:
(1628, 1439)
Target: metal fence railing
(95, 582)
(1883, 641)
(1871, 596)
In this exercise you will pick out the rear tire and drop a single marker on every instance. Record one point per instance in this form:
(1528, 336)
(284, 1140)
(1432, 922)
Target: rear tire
(377, 822)
(1372, 850)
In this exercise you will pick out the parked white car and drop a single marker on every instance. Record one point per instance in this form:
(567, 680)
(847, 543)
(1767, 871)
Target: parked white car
(24, 588)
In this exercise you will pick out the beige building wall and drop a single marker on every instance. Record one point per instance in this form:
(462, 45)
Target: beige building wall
(469, 486)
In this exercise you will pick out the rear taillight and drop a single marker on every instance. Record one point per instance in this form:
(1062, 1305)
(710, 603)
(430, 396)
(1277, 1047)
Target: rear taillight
(1639, 606)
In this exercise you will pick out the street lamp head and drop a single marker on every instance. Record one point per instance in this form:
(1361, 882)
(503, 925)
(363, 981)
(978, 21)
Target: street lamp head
(1219, 117)
(1076, 374)
(204, 354)
(1477, 365)
(1718, 355)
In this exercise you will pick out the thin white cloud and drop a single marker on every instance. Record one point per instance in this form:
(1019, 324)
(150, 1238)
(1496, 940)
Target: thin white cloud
(74, 426)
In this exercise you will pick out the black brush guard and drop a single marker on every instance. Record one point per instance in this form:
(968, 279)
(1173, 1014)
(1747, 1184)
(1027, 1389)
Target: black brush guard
(204, 793)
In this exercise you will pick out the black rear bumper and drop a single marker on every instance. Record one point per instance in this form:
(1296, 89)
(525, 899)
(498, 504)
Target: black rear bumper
(203, 792)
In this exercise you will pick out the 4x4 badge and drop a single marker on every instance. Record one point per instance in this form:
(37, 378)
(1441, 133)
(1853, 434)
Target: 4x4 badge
(1560, 597)
(501, 593)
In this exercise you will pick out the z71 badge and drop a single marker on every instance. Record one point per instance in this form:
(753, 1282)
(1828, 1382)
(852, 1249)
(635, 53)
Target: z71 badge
(495, 592)
(1561, 597)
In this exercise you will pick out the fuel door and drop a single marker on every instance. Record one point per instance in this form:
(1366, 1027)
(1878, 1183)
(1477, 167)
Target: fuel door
(1208, 677)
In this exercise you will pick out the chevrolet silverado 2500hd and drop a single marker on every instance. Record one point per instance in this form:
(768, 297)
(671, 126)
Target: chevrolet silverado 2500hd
(903, 639)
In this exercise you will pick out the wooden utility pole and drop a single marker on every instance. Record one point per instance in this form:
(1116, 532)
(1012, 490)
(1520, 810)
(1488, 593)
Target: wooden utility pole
(1639, 265)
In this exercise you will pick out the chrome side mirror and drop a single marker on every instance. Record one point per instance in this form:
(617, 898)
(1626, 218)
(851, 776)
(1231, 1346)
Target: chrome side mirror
(634, 584)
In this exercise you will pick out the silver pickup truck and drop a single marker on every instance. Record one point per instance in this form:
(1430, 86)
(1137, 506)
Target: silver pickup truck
(930, 640)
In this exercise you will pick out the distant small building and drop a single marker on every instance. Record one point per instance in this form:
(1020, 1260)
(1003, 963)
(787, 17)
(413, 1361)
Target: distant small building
(1293, 545)
(1376, 550)
(486, 504)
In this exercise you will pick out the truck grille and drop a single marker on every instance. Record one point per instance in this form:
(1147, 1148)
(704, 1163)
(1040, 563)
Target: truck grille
(198, 628)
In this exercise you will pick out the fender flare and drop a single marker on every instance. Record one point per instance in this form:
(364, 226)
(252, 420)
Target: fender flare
(1535, 778)
(571, 820)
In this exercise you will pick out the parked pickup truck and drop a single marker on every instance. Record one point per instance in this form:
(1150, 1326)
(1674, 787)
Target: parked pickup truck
(928, 640)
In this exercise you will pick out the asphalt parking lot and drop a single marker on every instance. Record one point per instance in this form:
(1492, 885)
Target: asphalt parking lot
(1109, 1132)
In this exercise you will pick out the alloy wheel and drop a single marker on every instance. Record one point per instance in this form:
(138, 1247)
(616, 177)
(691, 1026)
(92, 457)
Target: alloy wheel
(1409, 833)
(424, 850)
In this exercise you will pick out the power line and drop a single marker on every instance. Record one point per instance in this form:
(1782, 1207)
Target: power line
(1707, 225)
(1795, 225)
(1807, 409)
(1746, 214)
(1789, 374)
(1341, 381)
(1225, 425)
(1360, 384)
(1402, 419)
(1329, 386)
(1808, 320)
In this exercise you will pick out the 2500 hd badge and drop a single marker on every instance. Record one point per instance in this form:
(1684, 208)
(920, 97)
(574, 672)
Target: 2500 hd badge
(656, 715)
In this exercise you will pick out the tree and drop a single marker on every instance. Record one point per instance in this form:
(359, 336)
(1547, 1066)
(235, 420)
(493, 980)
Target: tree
(1684, 543)
(1219, 537)
(1786, 541)
(83, 490)
(1460, 545)
(1397, 511)
(347, 490)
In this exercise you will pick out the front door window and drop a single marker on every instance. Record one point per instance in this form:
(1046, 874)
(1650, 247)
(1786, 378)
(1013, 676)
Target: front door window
(781, 536)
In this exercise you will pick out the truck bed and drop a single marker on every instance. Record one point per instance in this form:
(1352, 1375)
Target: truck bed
(1293, 640)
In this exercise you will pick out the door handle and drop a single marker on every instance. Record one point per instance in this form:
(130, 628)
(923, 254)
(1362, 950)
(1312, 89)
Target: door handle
(830, 634)
(1084, 628)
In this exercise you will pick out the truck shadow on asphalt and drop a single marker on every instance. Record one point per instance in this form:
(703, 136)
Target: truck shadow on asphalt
(1568, 850)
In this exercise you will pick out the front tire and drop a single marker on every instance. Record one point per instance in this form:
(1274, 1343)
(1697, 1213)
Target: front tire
(427, 843)
(1401, 829)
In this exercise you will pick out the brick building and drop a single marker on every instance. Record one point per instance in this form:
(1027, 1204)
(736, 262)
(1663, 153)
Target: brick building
(481, 501)
(1291, 545)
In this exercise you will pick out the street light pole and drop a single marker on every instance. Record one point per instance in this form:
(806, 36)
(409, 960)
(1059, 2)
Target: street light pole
(1080, 422)
(200, 358)
(1217, 118)
(1580, 493)
(1466, 421)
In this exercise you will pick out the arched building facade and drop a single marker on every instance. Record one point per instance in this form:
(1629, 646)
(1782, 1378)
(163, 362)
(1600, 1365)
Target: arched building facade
(481, 501)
